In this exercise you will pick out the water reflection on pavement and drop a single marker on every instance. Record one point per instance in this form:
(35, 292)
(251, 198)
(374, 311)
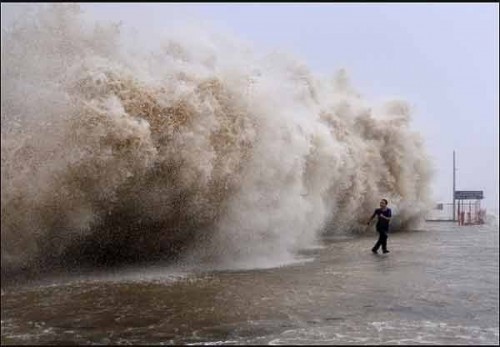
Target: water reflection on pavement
(437, 286)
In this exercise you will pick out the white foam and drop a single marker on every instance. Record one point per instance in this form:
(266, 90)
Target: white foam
(253, 152)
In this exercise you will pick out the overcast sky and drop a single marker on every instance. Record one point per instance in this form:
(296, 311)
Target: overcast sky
(442, 58)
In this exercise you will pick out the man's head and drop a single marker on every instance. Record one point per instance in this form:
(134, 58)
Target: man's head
(383, 203)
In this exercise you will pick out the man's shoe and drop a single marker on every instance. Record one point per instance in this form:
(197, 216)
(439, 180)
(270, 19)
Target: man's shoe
(386, 251)
(374, 251)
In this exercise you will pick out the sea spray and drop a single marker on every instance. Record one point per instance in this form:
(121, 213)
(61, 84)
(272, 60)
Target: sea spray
(197, 149)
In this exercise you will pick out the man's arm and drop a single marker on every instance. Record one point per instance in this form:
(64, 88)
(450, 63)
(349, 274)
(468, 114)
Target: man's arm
(386, 217)
(373, 215)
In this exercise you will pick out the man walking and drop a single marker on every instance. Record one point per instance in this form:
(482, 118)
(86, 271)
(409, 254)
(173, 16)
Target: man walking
(384, 217)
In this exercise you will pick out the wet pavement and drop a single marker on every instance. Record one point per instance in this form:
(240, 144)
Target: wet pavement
(439, 285)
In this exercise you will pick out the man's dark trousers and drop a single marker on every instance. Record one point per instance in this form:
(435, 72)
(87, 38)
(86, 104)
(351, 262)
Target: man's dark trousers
(382, 240)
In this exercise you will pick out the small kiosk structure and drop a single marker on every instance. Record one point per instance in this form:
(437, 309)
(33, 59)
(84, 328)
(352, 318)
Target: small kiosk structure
(469, 211)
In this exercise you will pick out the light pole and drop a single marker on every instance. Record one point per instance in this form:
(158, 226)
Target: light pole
(454, 186)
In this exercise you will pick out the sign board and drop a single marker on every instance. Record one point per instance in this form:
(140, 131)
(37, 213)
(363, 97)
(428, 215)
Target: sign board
(468, 194)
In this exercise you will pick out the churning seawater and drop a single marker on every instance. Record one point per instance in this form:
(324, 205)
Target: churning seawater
(439, 285)
(196, 148)
(193, 190)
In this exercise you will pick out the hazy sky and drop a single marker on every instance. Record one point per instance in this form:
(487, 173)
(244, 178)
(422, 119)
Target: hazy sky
(442, 58)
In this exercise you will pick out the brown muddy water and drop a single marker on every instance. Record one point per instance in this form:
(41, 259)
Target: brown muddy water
(439, 285)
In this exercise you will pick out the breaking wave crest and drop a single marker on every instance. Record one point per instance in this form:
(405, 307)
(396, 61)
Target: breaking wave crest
(198, 149)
